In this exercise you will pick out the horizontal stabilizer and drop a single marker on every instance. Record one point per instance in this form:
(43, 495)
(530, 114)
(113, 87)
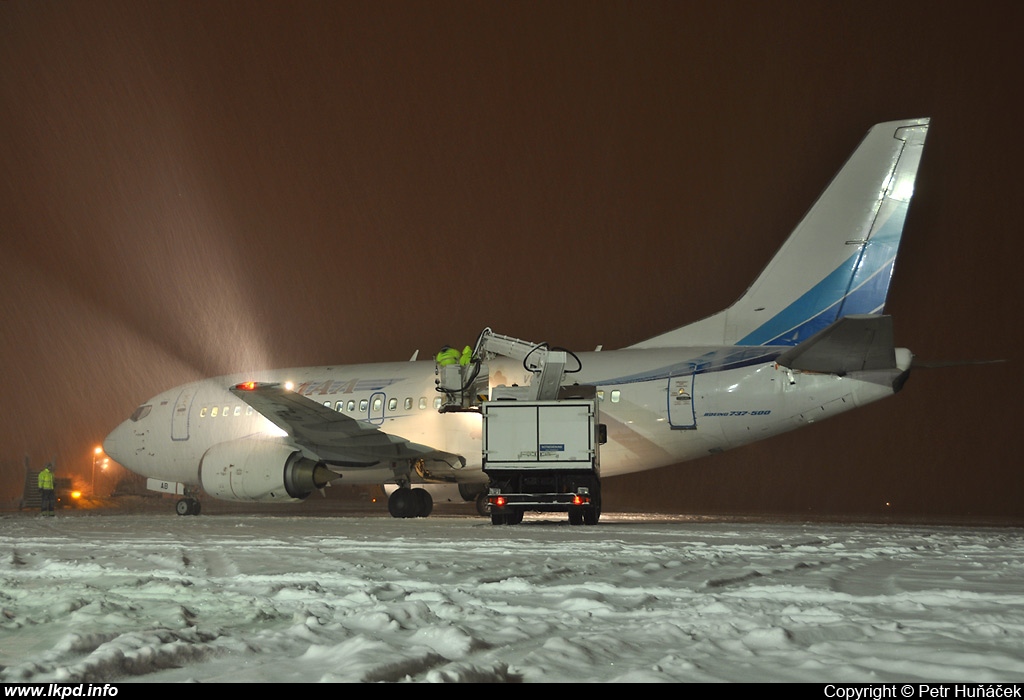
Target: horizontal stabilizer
(851, 344)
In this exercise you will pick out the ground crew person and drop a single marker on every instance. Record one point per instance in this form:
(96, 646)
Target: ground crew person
(48, 500)
(467, 356)
(447, 356)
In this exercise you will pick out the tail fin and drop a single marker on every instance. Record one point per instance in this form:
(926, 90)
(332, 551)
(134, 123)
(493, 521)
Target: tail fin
(838, 261)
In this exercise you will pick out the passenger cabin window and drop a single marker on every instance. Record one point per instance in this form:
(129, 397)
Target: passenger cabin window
(339, 406)
(351, 405)
(248, 410)
(377, 403)
(213, 412)
(437, 402)
(202, 412)
(238, 410)
(423, 402)
(392, 404)
(363, 403)
(408, 402)
(616, 395)
(226, 413)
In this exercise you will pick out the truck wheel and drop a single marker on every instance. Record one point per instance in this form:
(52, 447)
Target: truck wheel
(591, 516)
(506, 517)
(576, 516)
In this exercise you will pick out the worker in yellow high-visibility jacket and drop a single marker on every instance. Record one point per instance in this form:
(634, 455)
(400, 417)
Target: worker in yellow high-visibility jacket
(48, 499)
(447, 356)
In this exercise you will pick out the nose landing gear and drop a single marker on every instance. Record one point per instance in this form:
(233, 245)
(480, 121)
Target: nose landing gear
(187, 506)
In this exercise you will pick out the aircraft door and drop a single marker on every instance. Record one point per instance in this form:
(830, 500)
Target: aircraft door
(375, 411)
(682, 415)
(182, 408)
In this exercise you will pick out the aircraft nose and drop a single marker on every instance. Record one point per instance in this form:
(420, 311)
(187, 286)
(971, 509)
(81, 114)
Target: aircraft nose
(116, 444)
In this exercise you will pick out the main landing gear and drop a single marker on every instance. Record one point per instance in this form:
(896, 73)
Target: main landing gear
(406, 502)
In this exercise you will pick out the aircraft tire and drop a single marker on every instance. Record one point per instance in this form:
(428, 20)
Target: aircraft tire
(424, 502)
(410, 503)
(187, 506)
(401, 503)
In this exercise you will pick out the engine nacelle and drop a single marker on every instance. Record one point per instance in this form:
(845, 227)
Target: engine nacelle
(261, 470)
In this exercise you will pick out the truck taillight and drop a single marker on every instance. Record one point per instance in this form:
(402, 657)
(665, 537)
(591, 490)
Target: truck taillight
(497, 501)
(578, 500)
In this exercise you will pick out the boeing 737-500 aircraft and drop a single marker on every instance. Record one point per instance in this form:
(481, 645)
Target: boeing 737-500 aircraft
(806, 341)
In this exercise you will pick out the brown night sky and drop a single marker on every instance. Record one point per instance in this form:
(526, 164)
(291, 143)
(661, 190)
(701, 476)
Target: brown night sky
(192, 188)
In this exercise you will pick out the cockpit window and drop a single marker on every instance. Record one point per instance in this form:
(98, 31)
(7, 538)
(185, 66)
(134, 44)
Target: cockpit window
(141, 412)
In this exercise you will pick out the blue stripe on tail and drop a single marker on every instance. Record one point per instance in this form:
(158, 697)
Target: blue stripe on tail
(859, 286)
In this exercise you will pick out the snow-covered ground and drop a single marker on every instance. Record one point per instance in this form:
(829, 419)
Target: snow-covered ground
(252, 598)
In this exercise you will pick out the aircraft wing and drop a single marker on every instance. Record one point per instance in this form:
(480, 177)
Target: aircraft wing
(853, 343)
(334, 437)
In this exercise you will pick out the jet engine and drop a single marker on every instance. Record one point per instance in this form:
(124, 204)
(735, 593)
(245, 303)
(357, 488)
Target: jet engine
(261, 470)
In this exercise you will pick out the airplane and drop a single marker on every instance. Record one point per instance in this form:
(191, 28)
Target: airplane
(808, 340)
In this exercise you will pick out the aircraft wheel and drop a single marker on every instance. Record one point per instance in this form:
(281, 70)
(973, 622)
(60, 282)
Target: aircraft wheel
(410, 503)
(424, 502)
(183, 507)
(402, 503)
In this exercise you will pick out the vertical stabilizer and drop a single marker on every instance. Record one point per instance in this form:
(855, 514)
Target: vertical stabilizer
(838, 261)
